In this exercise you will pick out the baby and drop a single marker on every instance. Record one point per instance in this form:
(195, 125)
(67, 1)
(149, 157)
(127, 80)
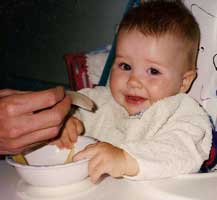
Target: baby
(146, 124)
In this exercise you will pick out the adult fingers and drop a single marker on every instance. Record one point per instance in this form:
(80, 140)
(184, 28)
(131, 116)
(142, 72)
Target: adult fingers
(8, 92)
(24, 124)
(11, 152)
(28, 102)
(18, 144)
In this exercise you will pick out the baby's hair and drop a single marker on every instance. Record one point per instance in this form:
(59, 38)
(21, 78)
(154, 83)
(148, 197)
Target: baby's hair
(160, 17)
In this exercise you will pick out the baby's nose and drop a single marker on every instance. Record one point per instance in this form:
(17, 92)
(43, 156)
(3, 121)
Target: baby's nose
(135, 82)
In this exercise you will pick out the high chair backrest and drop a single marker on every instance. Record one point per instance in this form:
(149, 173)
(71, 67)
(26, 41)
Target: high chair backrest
(205, 86)
(204, 89)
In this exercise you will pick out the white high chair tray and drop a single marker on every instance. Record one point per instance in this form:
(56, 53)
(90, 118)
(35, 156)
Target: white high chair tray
(188, 187)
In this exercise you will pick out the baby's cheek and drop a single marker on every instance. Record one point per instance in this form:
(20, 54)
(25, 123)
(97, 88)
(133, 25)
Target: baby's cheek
(156, 92)
(162, 90)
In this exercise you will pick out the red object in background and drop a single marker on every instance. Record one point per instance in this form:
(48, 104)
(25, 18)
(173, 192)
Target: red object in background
(77, 71)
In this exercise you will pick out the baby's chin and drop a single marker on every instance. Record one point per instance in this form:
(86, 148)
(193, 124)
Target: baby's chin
(136, 112)
(137, 109)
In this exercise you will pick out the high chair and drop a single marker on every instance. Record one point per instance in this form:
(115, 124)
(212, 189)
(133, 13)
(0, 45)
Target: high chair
(92, 68)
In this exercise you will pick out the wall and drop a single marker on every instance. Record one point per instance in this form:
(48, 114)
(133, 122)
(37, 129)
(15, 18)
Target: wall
(35, 34)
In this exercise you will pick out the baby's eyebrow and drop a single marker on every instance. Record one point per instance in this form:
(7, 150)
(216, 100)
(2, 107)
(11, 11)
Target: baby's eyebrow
(156, 63)
(153, 62)
(119, 56)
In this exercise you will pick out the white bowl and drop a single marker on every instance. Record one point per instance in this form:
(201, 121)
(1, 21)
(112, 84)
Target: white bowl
(46, 165)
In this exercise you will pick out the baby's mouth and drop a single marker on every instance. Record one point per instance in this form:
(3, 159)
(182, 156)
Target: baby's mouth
(134, 99)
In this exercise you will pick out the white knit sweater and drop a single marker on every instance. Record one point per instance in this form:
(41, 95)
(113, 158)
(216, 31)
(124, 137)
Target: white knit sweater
(171, 137)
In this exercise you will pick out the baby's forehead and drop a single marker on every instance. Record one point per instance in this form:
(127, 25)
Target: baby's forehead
(162, 42)
(172, 39)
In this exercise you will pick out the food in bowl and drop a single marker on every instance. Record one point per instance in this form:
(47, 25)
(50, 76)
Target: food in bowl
(47, 168)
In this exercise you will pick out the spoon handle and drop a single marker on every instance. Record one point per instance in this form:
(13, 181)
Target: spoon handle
(70, 155)
(19, 158)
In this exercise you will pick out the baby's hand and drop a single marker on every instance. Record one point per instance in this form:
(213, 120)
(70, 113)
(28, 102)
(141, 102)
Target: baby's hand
(73, 127)
(105, 159)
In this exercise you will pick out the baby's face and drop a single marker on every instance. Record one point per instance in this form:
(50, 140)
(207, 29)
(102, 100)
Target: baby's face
(147, 69)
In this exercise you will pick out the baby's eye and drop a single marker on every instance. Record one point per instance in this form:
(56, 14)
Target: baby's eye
(153, 71)
(125, 66)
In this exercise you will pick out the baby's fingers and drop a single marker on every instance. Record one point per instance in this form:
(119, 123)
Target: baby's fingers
(80, 156)
(87, 153)
(79, 126)
(74, 128)
(64, 141)
(96, 169)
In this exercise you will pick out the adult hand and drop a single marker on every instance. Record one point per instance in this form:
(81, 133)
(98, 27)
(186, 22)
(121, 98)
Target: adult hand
(30, 117)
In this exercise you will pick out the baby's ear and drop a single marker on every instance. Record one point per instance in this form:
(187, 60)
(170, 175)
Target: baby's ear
(187, 81)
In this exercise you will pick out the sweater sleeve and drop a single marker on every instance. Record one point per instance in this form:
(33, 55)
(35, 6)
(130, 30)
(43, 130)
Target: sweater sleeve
(180, 146)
